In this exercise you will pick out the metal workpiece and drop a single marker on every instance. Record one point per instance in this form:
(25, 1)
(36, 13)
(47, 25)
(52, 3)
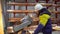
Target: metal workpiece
(27, 20)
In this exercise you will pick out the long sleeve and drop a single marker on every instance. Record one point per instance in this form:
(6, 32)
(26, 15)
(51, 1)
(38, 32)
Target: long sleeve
(43, 19)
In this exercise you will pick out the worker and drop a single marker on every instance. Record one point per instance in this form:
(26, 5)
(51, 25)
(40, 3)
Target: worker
(44, 25)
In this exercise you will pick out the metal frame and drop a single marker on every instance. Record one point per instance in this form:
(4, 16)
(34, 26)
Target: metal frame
(5, 15)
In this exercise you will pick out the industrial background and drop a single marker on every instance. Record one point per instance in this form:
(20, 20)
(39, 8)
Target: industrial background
(14, 10)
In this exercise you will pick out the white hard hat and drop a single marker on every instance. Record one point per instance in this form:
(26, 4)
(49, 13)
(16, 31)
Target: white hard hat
(38, 6)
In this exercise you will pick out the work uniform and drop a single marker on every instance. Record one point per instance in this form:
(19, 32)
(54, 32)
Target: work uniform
(44, 22)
